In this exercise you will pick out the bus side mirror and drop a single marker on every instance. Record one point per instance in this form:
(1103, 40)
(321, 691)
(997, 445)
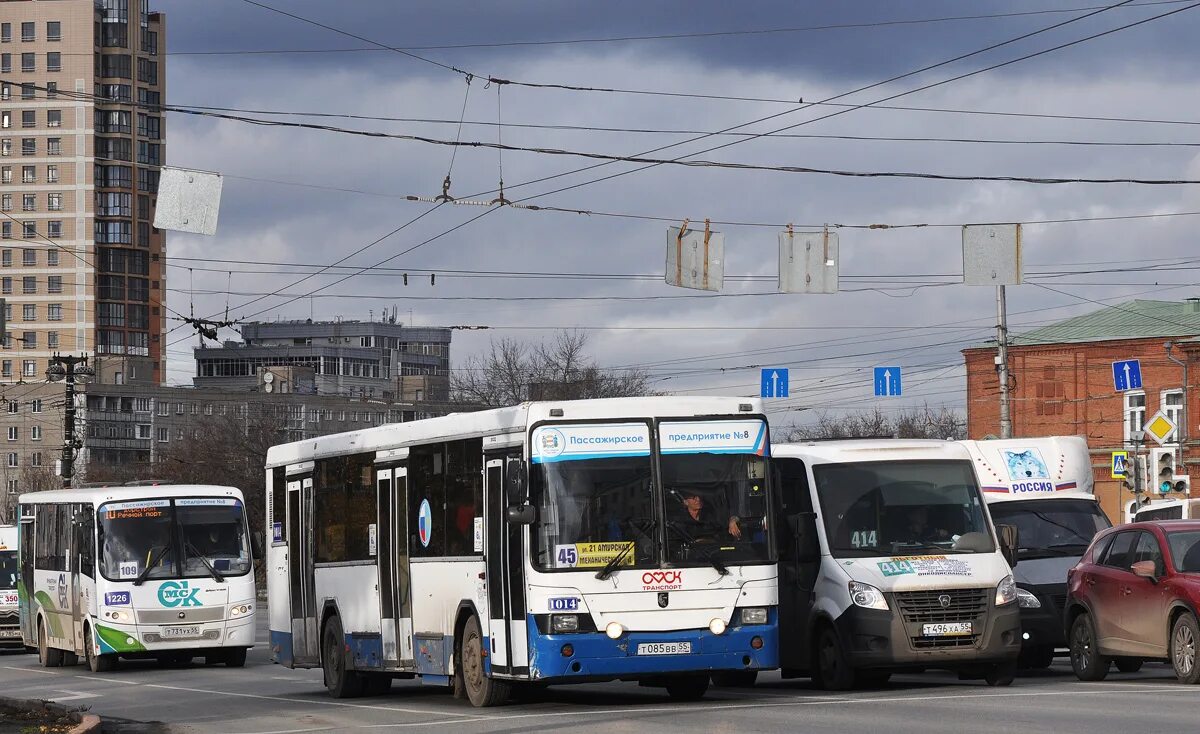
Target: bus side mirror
(808, 544)
(1009, 542)
(521, 515)
(518, 482)
(257, 544)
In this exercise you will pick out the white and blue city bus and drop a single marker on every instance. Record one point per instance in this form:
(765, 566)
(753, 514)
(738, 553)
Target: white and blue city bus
(550, 542)
(161, 572)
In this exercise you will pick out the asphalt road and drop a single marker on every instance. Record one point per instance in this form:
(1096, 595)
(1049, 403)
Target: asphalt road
(264, 698)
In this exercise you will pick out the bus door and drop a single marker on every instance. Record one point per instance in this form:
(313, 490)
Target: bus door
(25, 582)
(395, 596)
(81, 594)
(305, 635)
(505, 568)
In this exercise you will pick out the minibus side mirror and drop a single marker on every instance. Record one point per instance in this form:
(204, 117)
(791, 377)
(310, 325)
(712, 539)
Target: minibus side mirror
(518, 482)
(256, 544)
(1009, 542)
(521, 514)
(808, 544)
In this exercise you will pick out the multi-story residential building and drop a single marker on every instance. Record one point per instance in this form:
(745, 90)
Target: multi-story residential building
(371, 359)
(1063, 384)
(81, 148)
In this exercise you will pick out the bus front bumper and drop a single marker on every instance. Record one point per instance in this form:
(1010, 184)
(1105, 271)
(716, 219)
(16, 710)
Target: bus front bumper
(593, 655)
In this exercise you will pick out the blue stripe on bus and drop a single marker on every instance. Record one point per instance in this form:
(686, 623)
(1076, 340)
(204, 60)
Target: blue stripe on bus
(581, 457)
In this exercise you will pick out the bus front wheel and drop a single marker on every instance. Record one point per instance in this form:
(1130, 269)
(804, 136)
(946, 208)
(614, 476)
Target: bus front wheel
(49, 657)
(342, 683)
(235, 657)
(481, 690)
(96, 663)
(687, 687)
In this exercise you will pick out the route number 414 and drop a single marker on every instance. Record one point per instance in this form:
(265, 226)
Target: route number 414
(863, 538)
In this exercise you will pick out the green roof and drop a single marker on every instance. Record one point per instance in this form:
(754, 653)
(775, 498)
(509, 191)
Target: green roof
(1136, 319)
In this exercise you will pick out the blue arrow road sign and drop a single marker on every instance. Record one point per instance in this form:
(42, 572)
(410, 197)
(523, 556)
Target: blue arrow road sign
(1127, 375)
(774, 383)
(887, 382)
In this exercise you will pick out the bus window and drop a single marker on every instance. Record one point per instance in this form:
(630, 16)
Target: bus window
(8, 569)
(278, 519)
(426, 484)
(214, 535)
(344, 489)
(134, 536)
(464, 495)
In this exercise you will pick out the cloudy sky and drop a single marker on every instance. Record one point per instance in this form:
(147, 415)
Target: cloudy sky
(310, 197)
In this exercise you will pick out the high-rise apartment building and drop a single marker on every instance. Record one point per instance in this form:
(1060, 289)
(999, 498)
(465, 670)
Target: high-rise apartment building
(81, 149)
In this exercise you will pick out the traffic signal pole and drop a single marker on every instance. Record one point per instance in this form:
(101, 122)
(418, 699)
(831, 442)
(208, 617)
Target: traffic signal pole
(1002, 362)
(69, 369)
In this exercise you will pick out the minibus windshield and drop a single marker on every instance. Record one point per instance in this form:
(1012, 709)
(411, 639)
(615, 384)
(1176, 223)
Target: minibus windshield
(182, 538)
(8, 570)
(1051, 527)
(902, 508)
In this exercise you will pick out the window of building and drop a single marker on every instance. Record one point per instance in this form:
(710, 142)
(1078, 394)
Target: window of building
(115, 92)
(28, 118)
(6, 146)
(29, 367)
(53, 61)
(12, 460)
(6, 175)
(51, 174)
(35, 433)
(147, 71)
(6, 258)
(8, 312)
(29, 257)
(1172, 406)
(143, 430)
(6, 202)
(29, 230)
(29, 31)
(54, 312)
(54, 202)
(35, 459)
(53, 30)
(5, 32)
(30, 340)
(178, 408)
(6, 286)
(28, 146)
(149, 153)
(29, 284)
(54, 118)
(28, 202)
(1135, 414)
(54, 284)
(28, 174)
(28, 62)
(118, 66)
(35, 405)
(6, 62)
(29, 312)
(164, 435)
(113, 121)
(53, 146)
(52, 340)
(51, 90)
(14, 433)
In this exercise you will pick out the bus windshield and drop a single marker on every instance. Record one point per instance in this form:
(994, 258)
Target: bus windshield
(902, 508)
(1051, 527)
(8, 570)
(164, 539)
(716, 508)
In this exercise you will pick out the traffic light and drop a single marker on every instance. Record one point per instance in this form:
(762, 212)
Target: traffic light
(1162, 464)
(1182, 483)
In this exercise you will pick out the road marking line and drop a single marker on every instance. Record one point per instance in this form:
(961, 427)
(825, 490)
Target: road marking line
(314, 701)
(31, 670)
(72, 696)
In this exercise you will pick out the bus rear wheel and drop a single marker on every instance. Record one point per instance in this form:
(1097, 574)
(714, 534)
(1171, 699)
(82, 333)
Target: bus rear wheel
(49, 657)
(481, 690)
(342, 683)
(96, 663)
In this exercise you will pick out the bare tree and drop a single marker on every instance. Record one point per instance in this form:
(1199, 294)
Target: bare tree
(29, 479)
(923, 422)
(512, 372)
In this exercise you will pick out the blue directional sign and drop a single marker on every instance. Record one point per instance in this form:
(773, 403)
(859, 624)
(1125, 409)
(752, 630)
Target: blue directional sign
(887, 382)
(1127, 375)
(774, 383)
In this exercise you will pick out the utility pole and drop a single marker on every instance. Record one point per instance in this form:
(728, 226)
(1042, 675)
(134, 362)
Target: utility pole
(1002, 363)
(70, 369)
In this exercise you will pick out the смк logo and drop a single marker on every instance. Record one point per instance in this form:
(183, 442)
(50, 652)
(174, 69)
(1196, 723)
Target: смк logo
(177, 594)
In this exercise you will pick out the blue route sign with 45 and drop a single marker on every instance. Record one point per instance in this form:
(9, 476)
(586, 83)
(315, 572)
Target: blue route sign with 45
(1127, 375)
(887, 382)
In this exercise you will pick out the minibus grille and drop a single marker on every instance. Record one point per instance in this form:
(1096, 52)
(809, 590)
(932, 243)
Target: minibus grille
(180, 616)
(925, 607)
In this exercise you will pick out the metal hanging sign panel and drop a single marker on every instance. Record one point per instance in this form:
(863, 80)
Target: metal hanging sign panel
(992, 254)
(695, 258)
(188, 201)
(808, 262)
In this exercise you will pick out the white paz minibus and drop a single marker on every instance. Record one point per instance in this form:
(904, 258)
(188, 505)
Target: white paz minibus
(549, 542)
(161, 572)
(890, 563)
(10, 625)
(1043, 488)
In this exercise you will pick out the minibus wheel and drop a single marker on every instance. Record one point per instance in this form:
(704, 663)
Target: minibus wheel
(235, 657)
(49, 657)
(481, 690)
(1086, 660)
(96, 663)
(831, 666)
(1185, 636)
(1001, 674)
(342, 683)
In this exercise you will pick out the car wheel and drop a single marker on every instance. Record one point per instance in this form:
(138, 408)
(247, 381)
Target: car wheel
(832, 668)
(342, 683)
(1184, 637)
(1128, 665)
(687, 687)
(1086, 660)
(481, 690)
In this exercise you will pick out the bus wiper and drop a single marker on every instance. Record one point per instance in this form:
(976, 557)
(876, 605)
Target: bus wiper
(716, 563)
(616, 561)
(192, 549)
(150, 565)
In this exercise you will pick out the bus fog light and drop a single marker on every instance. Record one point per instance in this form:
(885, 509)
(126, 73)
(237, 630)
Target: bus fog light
(564, 623)
(567, 651)
(717, 626)
(754, 615)
(118, 616)
(756, 642)
(614, 630)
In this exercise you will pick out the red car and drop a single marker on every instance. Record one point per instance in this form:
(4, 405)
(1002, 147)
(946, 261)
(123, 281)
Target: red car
(1134, 596)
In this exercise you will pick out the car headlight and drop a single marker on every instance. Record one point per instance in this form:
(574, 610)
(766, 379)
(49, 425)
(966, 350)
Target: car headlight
(1006, 591)
(754, 615)
(1026, 600)
(564, 622)
(237, 610)
(865, 595)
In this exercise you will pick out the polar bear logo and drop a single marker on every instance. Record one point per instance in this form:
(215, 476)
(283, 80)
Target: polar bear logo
(1026, 464)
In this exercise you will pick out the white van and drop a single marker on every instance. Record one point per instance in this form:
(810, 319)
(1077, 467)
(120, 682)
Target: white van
(889, 562)
(1172, 509)
(1043, 487)
(10, 623)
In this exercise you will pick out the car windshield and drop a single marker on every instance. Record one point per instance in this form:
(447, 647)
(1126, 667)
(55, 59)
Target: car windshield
(8, 569)
(902, 508)
(593, 489)
(1051, 527)
(159, 539)
(1185, 550)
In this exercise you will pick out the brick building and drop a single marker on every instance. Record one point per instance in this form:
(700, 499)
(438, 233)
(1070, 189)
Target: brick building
(1062, 384)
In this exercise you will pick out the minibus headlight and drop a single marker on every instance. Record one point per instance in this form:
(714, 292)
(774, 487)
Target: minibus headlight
(1027, 600)
(237, 610)
(1006, 591)
(754, 615)
(118, 616)
(564, 622)
(865, 595)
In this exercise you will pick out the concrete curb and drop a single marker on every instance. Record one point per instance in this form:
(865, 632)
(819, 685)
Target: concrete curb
(88, 723)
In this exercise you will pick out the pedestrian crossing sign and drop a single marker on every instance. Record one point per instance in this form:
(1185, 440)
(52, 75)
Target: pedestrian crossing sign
(1119, 461)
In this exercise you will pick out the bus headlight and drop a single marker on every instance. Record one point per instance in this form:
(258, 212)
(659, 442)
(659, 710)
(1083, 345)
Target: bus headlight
(564, 623)
(1006, 591)
(867, 596)
(118, 616)
(238, 610)
(1027, 600)
(754, 615)
(614, 630)
(717, 626)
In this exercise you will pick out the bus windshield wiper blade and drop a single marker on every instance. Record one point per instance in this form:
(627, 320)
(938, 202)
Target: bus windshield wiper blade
(192, 549)
(150, 565)
(616, 561)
